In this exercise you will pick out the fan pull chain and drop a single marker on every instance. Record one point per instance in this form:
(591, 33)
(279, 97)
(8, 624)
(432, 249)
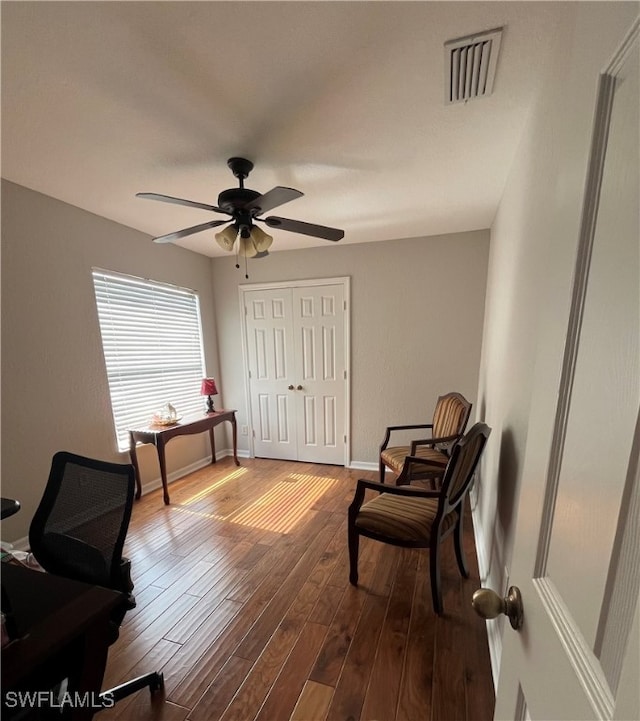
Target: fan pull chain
(237, 246)
(246, 274)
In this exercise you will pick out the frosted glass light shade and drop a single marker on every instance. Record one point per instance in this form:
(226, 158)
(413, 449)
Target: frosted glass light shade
(257, 241)
(261, 240)
(227, 237)
(246, 247)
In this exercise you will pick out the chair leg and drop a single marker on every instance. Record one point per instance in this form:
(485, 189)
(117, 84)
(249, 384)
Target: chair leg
(382, 471)
(434, 570)
(458, 544)
(354, 543)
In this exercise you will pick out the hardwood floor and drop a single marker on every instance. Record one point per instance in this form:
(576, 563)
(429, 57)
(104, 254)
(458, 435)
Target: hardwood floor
(244, 604)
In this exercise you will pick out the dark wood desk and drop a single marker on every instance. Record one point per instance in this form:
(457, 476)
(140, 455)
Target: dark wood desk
(63, 629)
(161, 435)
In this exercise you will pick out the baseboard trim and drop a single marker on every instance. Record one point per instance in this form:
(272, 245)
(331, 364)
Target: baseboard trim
(493, 633)
(185, 470)
(363, 466)
(22, 544)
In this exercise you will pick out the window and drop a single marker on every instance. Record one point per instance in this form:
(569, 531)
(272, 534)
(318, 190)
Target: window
(152, 341)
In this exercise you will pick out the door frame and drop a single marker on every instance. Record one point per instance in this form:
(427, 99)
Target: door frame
(345, 281)
(545, 461)
(618, 608)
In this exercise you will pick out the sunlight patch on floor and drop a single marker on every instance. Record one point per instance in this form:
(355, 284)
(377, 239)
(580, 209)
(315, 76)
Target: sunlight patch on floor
(277, 510)
(209, 489)
(200, 514)
(281, 508)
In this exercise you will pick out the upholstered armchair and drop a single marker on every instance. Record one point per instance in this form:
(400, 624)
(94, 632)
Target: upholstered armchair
(416, 517)
(426, 458)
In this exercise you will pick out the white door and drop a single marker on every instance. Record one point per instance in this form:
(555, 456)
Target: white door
(577, 554)
(296, 352)
(269, 333)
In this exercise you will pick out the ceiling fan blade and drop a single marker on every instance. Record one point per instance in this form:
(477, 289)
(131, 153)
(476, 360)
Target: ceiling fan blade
(297, 226)
(272, 198)
(181, 201)
(169, 237)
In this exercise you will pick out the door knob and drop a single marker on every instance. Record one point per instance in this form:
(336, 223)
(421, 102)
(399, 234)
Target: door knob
(299, 388)
(290, 388)
(488, 604)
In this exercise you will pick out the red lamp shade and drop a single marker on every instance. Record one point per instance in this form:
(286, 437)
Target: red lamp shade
(208, 387)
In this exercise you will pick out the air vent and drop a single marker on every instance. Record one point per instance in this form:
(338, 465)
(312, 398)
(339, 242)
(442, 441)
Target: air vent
(470, 66)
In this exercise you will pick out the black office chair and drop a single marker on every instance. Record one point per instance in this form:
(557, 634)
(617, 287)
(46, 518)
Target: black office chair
(78, 531)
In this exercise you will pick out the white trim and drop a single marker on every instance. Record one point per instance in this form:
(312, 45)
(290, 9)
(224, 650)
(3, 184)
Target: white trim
(22, 544)
(583, 661)
(363, 466)
(191, 468)
(345, 281)
(494, 636)
(589, 218)
(591, 203)
(623, 579)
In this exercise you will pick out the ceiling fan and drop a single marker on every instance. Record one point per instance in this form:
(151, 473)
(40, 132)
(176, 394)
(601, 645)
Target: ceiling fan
(244, 206)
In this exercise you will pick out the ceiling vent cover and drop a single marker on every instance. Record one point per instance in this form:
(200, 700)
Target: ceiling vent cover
(470, 66)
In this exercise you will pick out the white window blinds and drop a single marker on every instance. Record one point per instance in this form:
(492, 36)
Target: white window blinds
(152, 341)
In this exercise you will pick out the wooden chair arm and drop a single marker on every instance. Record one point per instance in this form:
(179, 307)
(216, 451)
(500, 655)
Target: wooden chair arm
(387, 436)
(364, 485)
(432, 442)
(436, 471)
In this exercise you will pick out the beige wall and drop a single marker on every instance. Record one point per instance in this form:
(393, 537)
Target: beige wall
(416, 314)
(417, 308)
(533, 247)
(54, 387)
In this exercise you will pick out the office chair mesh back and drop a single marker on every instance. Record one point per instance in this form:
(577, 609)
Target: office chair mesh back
(81, 523)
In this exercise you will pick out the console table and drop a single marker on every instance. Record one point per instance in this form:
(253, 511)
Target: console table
(160, 435)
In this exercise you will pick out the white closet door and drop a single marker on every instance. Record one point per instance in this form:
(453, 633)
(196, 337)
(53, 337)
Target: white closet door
(296, 353)
(271, 372)
(318, 320)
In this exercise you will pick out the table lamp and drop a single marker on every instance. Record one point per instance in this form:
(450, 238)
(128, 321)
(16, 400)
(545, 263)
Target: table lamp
(209, 389)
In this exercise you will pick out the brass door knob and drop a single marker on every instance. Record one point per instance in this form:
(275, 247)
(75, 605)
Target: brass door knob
(298, 388)
(290, 388)
(488, 604)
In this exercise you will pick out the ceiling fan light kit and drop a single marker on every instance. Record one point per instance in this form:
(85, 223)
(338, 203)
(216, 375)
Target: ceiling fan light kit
(244, 206)
(246, 248)
(227, 237)
(260, 239)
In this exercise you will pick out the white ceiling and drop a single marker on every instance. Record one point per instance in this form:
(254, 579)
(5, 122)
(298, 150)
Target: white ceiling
(341, 100)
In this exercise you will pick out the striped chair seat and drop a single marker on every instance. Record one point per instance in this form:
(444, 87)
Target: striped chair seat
(406, 516)
(394, 457)
(402, 518)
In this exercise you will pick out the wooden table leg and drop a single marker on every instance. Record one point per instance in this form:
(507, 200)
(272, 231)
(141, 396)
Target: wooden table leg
(134, 460)
(234, 427)
(213, 446)
(163, 471)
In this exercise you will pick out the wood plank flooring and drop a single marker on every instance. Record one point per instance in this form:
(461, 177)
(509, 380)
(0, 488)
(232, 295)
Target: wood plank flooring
(243, 602)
